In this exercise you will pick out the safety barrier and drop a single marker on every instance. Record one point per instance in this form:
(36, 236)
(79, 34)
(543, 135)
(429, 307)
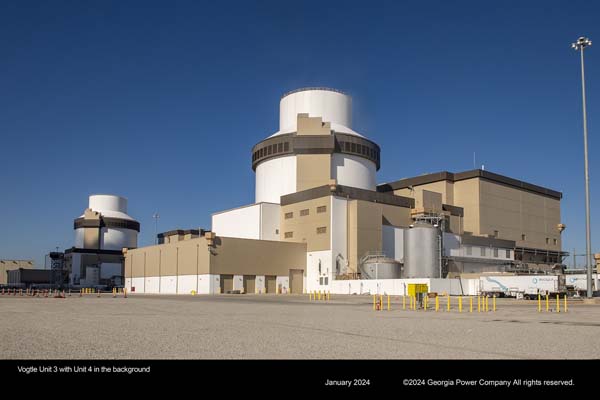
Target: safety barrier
(316, 295)
(548, 309)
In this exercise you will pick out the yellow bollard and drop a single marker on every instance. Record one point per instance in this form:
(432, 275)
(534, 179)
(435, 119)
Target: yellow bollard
(539, 302)
(470, 304)
(388, 302)
(494, 301)
(328, 295)
(437, 303)
(415, 303)
(478, 303)
(448, 301)
(565, 303)
(374, 297)
(403, 302)
(459, 304)
(380, 302)
(425, 303)
(557, 303)
(125, 292)
(547, 303)
(487, 303)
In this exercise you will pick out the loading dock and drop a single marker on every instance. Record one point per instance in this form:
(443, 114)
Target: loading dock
(270, 284)
(249, 283)
(226, 283)
(296, 281)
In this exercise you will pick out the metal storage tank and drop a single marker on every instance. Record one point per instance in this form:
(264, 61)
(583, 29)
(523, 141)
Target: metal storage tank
(276, 172)
(380, 267)
(421, 252)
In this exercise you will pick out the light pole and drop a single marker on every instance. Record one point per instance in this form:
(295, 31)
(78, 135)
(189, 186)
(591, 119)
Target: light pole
(580, 45)
(156, 217)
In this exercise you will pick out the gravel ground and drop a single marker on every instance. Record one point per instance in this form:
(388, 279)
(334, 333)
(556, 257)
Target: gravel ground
(286, 327)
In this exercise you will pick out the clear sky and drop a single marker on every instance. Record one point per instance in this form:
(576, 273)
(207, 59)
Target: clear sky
(161, 102)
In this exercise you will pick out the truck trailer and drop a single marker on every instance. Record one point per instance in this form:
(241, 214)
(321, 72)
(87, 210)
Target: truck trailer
(526, 286)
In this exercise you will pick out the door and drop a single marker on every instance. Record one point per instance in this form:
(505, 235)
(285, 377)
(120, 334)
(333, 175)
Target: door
(270, 283)
(296, 281)
(226, 283)
(249, 283)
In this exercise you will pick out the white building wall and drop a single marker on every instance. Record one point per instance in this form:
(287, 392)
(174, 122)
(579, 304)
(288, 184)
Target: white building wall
(269, 221)
(137, 285)
(152, 285)
(243, 222)
(238, 282)
(339, 239)
(187, 283)
(260, 283)
(256, 221)
(204, 283)
(215, 284)
(274, 178)
(353, 171)
(283, 284)
(312, 269)
(393, 242)
(399, 287)
(117, 238)
(168, 284)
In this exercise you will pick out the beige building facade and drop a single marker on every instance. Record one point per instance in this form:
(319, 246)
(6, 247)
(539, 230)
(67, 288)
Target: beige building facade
(209, 264)
(10, 265)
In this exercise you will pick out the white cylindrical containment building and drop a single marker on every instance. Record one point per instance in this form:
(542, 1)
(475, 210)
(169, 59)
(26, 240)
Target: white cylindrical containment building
(315, 144)
(105, 225)
(421, 252)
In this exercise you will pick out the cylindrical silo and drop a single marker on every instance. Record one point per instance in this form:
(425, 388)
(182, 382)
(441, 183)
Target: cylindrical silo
(421, 252)
(353, 159)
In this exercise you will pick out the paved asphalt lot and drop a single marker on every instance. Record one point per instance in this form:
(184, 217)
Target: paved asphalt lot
(286, 327)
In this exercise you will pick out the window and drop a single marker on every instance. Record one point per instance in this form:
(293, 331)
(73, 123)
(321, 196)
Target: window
(286, 146)
(547, 240)
(320, 280)
(289, 215)
(482, 251)
(279, 147)
(304, 213)
(321, 209)
(353, 147)
(288, 235)
(555, 242)
(326, 280)
(523, 237)
(322, 229)
(496, 253)
(277, 231)
(469, 250)
(495, 234)
(507, 253)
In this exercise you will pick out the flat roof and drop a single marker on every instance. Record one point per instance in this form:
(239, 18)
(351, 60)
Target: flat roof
(459, 176)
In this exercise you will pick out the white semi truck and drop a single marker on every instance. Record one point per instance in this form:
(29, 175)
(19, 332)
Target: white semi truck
(527, 286)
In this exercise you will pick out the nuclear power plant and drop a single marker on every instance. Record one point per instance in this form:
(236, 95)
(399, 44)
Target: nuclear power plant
(321, 221)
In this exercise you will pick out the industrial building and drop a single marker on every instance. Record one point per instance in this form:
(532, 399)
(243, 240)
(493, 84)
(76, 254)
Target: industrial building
(320, 218)
(101, 233)
(8, 265)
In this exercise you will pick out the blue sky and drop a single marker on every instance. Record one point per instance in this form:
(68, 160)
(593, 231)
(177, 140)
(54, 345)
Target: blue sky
(161, 102)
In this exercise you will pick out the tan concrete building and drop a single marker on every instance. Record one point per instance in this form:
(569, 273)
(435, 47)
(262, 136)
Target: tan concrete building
(498, 207)
(9, 265)
(207, 264)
